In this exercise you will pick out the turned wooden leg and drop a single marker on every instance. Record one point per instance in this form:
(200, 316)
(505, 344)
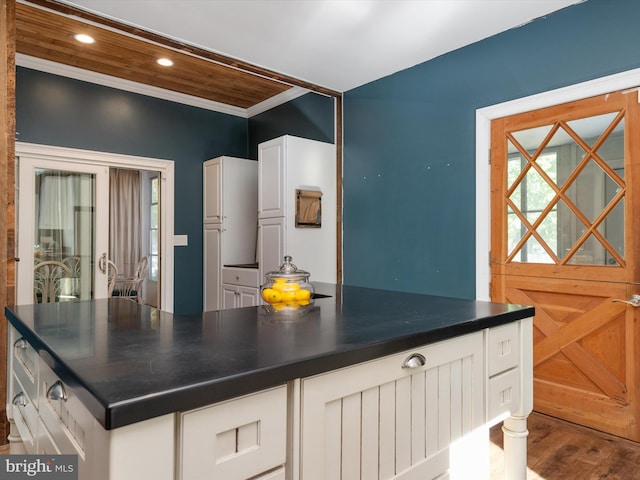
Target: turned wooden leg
(515, 448)
(16, 446)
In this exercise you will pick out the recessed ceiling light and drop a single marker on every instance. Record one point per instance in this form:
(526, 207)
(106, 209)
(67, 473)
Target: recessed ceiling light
(165, 62)
(81, 37)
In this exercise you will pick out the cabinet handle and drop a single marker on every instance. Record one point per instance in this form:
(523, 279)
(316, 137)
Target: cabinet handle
(414, 360)
(57, 392)
(19, 400)
(20, 343)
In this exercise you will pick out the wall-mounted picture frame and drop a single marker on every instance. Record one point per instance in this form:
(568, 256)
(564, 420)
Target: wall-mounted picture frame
(308, 208)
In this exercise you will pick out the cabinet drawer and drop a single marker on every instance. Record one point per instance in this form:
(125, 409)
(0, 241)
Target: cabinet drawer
(25, 363)
(235, 440)
(247, 277)
(66, 419)
(504, 394)
(503, 350)
(25, 415)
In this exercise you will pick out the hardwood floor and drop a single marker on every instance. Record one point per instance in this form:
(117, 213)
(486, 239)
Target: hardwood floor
(559, 450)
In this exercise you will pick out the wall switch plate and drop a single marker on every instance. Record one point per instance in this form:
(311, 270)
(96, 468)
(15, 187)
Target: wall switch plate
(180, 240)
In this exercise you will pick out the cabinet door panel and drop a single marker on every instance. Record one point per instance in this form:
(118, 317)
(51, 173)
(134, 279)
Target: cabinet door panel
(271, 200)
(271, 244)
(212, 187)
(229, 296)
(212, 267)
(397, 420)
(504, 393)
(248, 296)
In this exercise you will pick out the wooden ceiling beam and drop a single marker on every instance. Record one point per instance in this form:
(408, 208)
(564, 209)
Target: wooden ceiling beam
(181, 47)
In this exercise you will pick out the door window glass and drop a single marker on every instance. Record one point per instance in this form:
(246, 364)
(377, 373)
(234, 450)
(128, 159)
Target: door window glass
(64, 236)
(565, 198)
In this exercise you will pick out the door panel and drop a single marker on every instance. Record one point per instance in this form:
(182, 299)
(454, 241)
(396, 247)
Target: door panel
(562, 240)
(62, 241)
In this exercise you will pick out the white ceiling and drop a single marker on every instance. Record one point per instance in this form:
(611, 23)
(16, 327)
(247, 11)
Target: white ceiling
(337, 44)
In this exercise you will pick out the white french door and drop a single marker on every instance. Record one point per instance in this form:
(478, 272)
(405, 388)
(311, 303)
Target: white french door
(63, 230)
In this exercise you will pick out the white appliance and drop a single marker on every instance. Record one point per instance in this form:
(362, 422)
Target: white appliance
(287, 164)
(230, 210)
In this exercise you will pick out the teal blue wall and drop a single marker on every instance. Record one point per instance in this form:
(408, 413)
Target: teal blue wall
(309, 116)
(409, 142)
(54, 110)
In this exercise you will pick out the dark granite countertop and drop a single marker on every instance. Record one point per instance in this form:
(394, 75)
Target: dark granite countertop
(127, 362)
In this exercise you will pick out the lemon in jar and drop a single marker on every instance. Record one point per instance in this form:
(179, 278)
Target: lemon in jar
(302, 294)
(288, 296)
(271, 295)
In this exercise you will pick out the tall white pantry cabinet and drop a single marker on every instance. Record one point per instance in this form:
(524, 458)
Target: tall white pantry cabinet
(286, 164)
(230, 201)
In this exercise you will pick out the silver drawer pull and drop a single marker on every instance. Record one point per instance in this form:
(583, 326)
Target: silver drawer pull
(57, 392)
(20, 343)
(414, 360)
(19, 400)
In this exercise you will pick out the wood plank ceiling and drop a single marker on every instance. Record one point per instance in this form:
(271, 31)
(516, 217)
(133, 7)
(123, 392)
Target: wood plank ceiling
(129, 53)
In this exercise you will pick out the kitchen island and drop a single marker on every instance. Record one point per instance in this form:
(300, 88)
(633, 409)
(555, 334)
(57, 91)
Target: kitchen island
(238, 394)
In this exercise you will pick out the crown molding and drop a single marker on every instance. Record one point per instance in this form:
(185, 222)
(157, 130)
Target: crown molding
(272, 102)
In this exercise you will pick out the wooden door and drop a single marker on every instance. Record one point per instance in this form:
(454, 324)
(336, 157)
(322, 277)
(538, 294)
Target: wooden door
(565, 202)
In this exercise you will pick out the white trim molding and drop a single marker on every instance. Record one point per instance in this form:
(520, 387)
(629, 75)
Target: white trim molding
(166, 169)
(484, 116)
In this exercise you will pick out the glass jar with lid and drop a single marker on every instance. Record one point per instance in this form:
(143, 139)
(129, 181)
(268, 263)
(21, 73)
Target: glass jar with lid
(287, 290)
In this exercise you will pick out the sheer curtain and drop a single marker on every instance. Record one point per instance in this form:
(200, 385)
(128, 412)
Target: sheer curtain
(55, 209)
(125, 220)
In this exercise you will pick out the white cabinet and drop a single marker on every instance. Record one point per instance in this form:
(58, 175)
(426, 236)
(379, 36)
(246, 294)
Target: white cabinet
(383, 420)
(66, 425)
(236, 440)
(234, 296)
(240, 287)
(46, 417)
(22, 391)
(503, 363)
(287, 164)
(230, 212)
(414, 414)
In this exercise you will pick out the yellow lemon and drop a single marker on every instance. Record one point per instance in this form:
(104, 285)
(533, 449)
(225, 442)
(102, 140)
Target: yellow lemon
(288, 296)
(279, 306)
(303, 294)
(272, 296)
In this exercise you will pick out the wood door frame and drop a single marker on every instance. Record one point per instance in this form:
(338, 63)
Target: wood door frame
(484, 116)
